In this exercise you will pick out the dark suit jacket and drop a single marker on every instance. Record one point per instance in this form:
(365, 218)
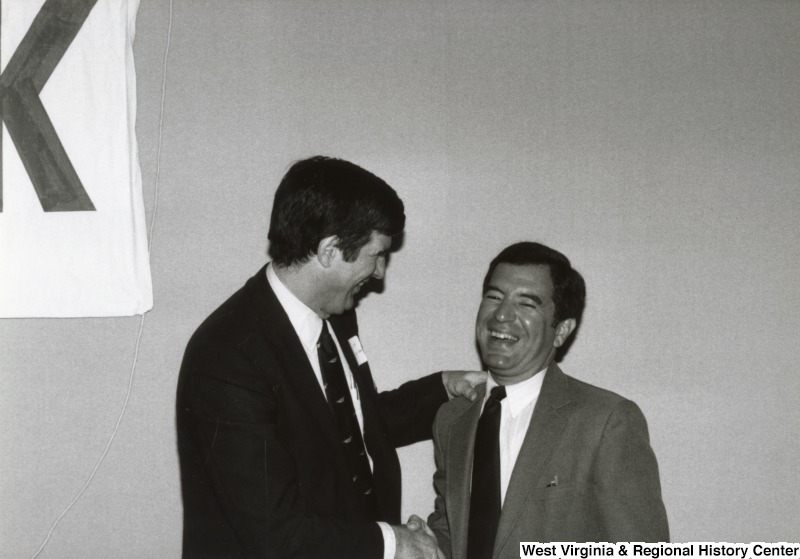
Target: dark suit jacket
(593, 440)
(262, 470)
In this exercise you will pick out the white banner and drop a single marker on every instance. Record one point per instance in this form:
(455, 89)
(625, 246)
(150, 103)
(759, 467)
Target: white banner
(73, 240)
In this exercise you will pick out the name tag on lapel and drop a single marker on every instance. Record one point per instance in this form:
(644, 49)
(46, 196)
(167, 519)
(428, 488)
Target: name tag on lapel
(355, 345)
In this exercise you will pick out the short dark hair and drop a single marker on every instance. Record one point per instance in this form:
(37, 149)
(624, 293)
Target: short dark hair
(569, 289)
(322, 196)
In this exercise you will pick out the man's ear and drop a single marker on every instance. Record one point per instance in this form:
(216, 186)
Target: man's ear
(326, 250)
(563, 330)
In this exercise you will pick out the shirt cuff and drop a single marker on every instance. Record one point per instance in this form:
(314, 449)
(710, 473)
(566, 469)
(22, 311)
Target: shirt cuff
(446, 391)
(389, 542)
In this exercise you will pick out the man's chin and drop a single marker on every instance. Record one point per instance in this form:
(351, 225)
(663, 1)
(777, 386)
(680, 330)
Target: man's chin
(355, 299)
(328, 312)
(348, 305)
(494, 358)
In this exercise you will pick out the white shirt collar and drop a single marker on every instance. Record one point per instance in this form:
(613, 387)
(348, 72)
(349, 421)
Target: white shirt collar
(306, 322)
(519, 395)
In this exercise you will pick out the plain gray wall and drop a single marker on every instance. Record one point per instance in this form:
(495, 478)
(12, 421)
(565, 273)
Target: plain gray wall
(655, 143)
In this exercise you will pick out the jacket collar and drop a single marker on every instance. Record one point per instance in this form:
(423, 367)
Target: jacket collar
(459, 470)
(276, 340)
(275, 347)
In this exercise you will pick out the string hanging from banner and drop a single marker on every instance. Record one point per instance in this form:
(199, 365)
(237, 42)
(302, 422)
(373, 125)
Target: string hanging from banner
(151, 230)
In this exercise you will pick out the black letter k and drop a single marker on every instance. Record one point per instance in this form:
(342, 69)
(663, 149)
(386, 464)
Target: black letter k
(56, 183)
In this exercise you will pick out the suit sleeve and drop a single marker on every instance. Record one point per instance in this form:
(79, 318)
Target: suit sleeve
(437, 520)
(627, 481)
(234, 459)
(409, 410)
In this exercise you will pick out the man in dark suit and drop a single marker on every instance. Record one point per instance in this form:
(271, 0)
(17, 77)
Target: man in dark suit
(539, 456)
(286, 447)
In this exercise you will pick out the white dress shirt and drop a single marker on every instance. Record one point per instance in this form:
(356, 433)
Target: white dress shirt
(515, 416)
(308, 326)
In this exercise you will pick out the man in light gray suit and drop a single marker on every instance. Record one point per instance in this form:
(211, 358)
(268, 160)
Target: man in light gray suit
(539, 456)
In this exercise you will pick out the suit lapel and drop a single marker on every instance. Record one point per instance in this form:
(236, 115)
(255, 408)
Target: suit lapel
(278, 340)
(461, 442)
(546, 427)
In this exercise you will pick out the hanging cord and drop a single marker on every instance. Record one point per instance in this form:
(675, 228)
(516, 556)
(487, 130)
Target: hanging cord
(141, 322)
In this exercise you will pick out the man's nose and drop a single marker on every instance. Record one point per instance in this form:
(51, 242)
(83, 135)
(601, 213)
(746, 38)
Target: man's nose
(504, 312)
(380, 268)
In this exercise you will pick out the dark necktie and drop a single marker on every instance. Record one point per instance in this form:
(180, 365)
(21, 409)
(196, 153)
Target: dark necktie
(484, 502)
(344, 415)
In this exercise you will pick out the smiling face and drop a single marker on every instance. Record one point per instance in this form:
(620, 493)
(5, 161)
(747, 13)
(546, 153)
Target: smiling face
(515, 326)
(347, 278)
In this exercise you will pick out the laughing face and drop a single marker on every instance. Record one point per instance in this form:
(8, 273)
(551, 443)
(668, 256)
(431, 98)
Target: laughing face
(516, 331)
(347, 278)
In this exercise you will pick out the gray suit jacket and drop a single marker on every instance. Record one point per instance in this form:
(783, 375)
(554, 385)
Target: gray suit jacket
(594, 442)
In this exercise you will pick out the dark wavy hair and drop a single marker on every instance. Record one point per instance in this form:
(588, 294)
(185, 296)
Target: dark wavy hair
(569, 289)
(320, 197)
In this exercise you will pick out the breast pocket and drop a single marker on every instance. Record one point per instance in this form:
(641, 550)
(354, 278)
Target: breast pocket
(566, 491)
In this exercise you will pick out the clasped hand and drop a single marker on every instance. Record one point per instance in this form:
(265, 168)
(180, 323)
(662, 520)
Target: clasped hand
(415, 540)
(463, 383)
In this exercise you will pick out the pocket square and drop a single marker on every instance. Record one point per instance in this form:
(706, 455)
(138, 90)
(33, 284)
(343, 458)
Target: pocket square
(553, 483)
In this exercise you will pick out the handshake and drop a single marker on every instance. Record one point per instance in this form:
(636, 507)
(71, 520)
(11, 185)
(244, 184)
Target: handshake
(415, 540)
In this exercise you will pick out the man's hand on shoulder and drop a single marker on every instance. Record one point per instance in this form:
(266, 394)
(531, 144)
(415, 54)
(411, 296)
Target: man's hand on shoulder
(463, 383)
(416, 541)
